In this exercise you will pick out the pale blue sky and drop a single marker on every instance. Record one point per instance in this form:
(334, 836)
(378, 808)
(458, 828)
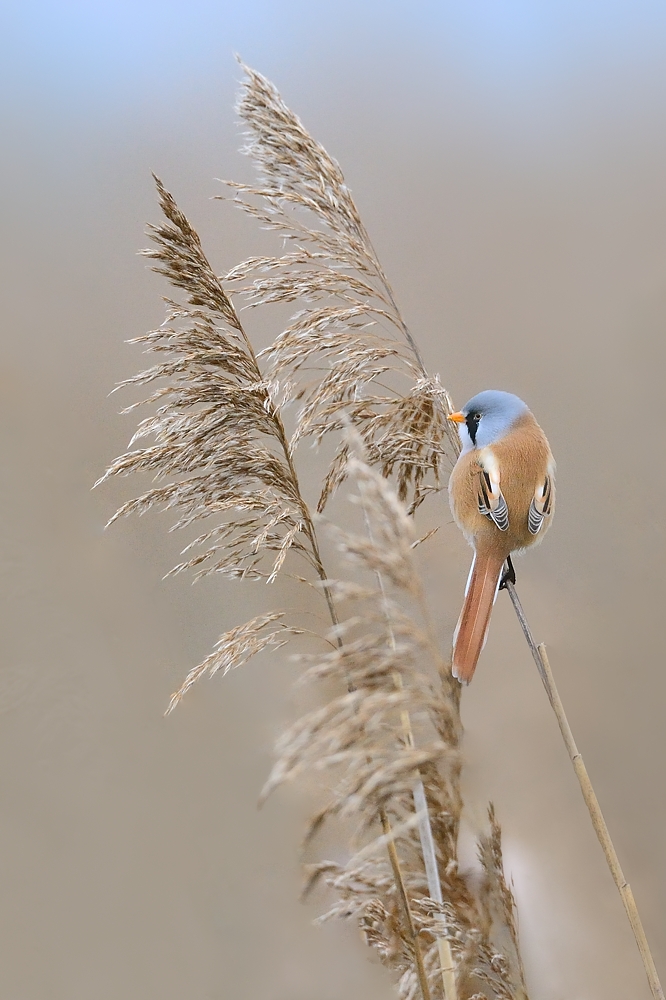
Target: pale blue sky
(73, 51)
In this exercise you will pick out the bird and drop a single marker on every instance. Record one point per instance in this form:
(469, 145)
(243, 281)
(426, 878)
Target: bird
(502, 496)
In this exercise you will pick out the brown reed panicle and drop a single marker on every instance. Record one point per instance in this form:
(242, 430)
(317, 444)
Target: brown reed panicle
(348, 325)
(389, 673)
(220, 453)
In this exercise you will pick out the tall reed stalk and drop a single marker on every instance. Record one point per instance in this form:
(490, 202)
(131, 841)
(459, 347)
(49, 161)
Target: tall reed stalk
(223, 452)
(589, 795)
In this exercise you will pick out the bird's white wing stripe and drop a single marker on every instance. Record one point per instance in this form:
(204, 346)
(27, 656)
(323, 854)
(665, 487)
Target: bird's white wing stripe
(500, 515)
(540, 506)
(491, 503)
(534, 519)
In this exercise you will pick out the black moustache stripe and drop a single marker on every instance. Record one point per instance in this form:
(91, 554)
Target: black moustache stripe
(472, 426)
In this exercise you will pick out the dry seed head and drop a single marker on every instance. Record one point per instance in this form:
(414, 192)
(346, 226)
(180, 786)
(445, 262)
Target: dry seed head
(236, 647)
(218, 450)
(349, 340)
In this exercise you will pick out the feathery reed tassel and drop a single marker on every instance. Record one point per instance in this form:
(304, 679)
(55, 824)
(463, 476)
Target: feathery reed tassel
(332, 271)
(420, 801)
(220, 452)
(214, 430)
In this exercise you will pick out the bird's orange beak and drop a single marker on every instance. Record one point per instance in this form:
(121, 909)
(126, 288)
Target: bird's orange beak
(458, 418)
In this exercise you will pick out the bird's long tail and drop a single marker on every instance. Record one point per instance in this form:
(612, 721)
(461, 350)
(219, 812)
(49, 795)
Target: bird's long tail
(472, 629)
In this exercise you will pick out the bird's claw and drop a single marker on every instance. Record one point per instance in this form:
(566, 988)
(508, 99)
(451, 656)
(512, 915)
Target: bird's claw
(509, 574)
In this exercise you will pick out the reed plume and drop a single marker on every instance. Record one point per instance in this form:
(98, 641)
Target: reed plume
(347, 353)
(398, 724)
(220, 453)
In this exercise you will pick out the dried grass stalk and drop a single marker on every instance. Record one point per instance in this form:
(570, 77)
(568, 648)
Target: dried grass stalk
(218, 450)
(347, 353)
(591, 801)
(236, 647)
(383, 744)
(222, 450)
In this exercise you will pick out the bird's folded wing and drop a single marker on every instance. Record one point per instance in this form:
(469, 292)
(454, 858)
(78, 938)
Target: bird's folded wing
(492, 503)
(541, 506)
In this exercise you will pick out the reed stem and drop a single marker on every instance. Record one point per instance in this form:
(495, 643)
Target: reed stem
(323, 577)
(447, 964)
(591, 801)
(402, 892)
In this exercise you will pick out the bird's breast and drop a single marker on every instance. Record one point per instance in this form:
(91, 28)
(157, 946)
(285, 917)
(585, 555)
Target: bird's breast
(519, 462)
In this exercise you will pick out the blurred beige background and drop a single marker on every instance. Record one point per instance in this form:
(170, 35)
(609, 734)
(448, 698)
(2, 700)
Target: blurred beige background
(509, 160)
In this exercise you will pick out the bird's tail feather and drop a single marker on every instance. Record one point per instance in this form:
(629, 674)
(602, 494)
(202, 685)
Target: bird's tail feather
(472, 628)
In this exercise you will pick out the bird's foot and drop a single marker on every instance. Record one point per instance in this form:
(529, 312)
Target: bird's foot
(509, 574)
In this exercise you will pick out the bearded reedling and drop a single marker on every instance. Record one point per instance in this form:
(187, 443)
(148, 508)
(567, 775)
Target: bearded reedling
(502, 494)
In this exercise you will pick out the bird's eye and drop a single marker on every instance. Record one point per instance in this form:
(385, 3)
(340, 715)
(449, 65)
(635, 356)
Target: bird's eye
(476, 418)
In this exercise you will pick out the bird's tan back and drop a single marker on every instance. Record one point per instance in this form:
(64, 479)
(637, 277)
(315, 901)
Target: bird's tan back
(524, 459)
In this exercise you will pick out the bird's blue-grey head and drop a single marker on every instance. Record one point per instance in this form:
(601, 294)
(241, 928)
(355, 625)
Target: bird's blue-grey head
(487, 417)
